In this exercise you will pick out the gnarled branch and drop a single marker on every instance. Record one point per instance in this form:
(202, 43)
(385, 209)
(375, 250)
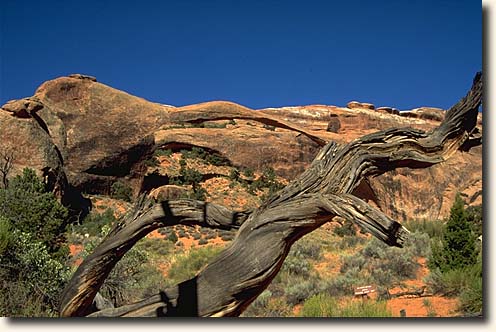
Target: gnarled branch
(226, 286)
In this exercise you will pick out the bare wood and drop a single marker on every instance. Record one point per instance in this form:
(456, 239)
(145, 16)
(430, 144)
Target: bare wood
(246, 267)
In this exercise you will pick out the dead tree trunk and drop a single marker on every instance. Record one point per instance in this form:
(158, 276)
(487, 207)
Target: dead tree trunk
(243, 270)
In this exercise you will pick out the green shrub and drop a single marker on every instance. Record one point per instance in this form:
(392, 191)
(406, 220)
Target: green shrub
(346, 229)
(227, 237)
(172, 237)
(152, 162)
(93, 223)
(258, 308)
(31, 280)
(202, 241)
(5, 234)
(132, 278)
(474, 217)
(320, 305)
(234, 175)
(187, 265)
(209, 236)
(155, 246)
(248, 173)
(301, 289)
(30, 208)
(351, 242)
(366, 309)
(458, 248)
(120, 190)
(471, 296)
(161, 152)
(433, 228)
(296, 264)
(306, 248)
(269, 127)
(323, 305)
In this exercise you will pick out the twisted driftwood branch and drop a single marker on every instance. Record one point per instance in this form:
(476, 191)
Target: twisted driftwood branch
(226, 286)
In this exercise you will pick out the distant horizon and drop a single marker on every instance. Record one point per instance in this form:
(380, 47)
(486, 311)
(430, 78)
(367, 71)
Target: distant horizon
(259, 54)
(261, 108)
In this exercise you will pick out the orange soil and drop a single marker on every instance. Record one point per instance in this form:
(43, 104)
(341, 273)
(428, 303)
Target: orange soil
(74, 250)
(416, 307)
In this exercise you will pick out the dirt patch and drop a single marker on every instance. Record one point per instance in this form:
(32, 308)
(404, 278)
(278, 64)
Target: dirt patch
(75, 251)
(431, 306)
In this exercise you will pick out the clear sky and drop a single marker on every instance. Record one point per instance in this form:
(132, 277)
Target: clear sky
(259, 53)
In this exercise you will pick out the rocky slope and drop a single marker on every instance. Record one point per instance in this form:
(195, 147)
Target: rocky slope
(84, 136)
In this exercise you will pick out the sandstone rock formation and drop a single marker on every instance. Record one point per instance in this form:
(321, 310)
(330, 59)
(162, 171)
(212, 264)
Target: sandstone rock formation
(359, 105)
(94, 135)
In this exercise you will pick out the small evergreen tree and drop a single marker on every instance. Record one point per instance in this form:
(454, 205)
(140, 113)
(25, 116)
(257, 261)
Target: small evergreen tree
(458, 247)
(31, 208)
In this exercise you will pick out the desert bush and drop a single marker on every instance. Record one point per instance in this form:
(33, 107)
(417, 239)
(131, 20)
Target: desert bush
(155, 246)
(30, 208)
(366, 309)
(248, 173)
(474, 218)
(323, 305)
(187, 265)
(266, 305)
(269, 127)
(227, 237)
(133, 277)
(301, 289)
(151, 162)
(350, 242)
(93, 223)
(258, 308)
(210, 236)
(120, 190)
(433, 228)
(346, 229)
(320, 305)
(172, 237)
(465, 282)
(296, 264)
(419, 244)
(161, 152)
(471, 295)
(234, 175)
(196, 236)
(350, 262)
(202, 241)
(31, 280)
(306, 248)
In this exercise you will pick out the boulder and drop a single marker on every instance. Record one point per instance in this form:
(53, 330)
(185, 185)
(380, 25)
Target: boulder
(334, 124)
(23, 108)
(359, 105)
(388, 110)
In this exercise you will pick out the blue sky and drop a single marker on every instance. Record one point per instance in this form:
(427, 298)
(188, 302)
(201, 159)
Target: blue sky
(259, 53)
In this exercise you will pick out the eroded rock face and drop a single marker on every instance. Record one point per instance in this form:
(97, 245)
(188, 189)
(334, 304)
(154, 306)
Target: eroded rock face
(104, 132)
(426, 113)
(96, 135)
(26, 139)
